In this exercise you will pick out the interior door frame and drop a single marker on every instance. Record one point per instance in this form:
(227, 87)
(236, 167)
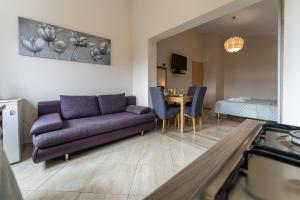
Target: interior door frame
(166, 73)
(202, 78)
(280, 57)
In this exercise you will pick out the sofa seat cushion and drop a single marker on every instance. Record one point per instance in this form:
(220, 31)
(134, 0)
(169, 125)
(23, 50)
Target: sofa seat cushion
(79, 106)
(76, 129)
(46, 123)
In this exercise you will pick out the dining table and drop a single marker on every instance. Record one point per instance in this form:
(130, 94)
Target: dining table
(181, 100)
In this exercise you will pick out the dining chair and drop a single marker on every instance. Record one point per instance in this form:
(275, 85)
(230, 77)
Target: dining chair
(191, 91)
(195, 110)
(161, 109)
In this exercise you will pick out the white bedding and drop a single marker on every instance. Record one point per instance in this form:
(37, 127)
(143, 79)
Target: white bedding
(248, 108)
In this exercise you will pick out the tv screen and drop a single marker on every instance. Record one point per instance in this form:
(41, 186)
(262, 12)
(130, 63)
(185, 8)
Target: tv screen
(178, 62)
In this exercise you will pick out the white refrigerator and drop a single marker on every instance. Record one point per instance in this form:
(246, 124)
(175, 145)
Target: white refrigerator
(12, 125)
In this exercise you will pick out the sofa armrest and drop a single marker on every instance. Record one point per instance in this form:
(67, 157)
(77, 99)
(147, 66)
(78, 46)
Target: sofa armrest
(47, 123)
(139, 110)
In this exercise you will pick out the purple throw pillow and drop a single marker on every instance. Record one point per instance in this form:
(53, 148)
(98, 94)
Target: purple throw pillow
(112, 103)
(46, 123)
(79, 106)
(139, 110)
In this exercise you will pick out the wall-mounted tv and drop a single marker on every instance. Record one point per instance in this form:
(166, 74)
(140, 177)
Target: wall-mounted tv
(178, 63)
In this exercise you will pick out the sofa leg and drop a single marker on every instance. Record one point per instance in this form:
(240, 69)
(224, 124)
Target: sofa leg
(142, 133)
(67, 157)
(44, 165)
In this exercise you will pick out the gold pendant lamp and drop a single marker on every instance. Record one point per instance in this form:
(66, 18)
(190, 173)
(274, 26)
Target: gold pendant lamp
(234, 43)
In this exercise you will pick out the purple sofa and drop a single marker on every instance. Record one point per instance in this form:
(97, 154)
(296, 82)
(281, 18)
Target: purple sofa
(78, 122)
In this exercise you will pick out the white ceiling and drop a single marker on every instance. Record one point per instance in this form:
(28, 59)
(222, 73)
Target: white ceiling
(258, 19)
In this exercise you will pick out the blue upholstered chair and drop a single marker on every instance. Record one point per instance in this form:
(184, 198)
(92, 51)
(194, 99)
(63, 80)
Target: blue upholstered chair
(194, 110)
(162, 110)
(191, 91)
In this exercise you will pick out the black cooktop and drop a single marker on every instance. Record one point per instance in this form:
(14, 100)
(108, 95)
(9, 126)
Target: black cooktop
(269, 169)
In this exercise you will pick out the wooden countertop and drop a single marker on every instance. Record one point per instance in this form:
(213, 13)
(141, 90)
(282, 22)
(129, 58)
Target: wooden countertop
(10, 100)
(192, 181)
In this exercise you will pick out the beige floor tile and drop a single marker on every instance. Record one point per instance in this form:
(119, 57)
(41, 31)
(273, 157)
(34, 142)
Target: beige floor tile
(202, 141)
(25, 193)
(96, 154)
(196, 140)
(178, 168)
(185, 139)
(212, 134)
(72, 177)
(136, 139)
(51, 195)
(157, 140)
(212, 131)
(78, 170)
(114, 179)
(149, 177)
(216, 133)
(135, 165)
(30, 175)
(184, 155)
(136, 197)
(153, 155)
(128, 154)
(92, 196)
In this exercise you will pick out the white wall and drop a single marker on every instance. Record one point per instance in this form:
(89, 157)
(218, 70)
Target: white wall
(252, 72)
(37, 79)
(188, 43)
(291, 66)
(125, 23)
(213, 68)
(197, 46)
(158, 19)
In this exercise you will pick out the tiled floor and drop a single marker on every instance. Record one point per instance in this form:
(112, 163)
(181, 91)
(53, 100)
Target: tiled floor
(129, 169)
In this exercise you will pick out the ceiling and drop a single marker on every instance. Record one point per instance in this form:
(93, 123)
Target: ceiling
(258, 19)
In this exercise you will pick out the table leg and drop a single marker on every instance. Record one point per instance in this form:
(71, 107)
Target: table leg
(182, 117)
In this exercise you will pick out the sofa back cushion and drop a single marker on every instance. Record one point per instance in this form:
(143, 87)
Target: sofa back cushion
(48, 107)
(130, 100)
(112, 103)
(79, 106)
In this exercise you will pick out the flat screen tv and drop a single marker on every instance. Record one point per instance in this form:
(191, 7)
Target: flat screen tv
(179, 63)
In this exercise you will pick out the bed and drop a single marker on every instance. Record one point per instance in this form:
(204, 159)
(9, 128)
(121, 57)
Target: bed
(248, 108)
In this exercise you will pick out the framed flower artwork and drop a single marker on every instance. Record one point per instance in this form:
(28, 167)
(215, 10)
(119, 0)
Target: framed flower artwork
(44, 40)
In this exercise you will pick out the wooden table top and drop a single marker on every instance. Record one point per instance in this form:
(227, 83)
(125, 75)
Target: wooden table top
(179, 99)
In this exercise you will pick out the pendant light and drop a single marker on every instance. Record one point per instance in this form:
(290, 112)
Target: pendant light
(234, 43)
